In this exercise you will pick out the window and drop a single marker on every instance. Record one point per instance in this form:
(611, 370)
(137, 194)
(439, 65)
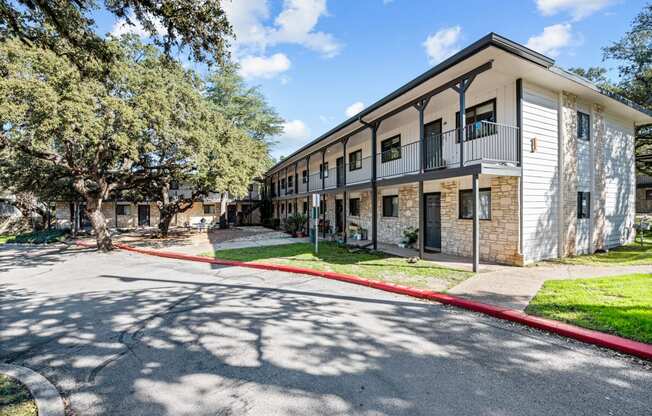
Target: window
(354, 207)
(466, 204)
(390, 149)
(390, 206)
(290, 182)
(209, 209)
(289, 208)
(273, 188)
(475, 116)
(323, 170)
(282, 209)
(174, 186)
(583, 126)
(322, 206)
(648, 194)
(304, 176)
(250, 188)
(355, 160)
(122, 209)
(305, 207)
(583, 204)
(283, 183)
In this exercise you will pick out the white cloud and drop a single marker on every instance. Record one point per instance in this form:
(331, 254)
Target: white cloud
(578, 9)
(552, 39)
(264, 66)
(295, 24)
(442, 44)
(354, 108)
(295, 133)
(123, 27)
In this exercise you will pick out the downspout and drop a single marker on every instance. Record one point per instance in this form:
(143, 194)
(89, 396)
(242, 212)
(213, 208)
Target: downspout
(521, 156)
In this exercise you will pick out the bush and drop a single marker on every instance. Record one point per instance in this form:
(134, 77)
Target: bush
(410, 236)
(39, 237)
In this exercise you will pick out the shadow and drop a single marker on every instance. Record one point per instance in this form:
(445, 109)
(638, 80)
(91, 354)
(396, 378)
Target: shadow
(154, 337)
(20, 256)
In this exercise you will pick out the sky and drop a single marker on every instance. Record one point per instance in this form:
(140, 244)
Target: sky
(319, 62)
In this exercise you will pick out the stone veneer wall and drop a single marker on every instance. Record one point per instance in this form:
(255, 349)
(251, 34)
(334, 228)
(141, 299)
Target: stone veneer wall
(364, 219)
(599, 193)
(390, 229)
(498, 237)
(569, 173)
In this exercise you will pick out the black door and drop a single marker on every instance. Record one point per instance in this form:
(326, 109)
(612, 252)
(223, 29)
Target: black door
(143, 215)
(340, 171)
(339, 214)
(433, 221)
(434, 154)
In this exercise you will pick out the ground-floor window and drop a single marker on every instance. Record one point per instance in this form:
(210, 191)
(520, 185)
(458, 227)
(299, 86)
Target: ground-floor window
(648, 194)
(305, 207)
(209, 209)
(466, 204)
(583, 204)
(390, 206)
(290, 209)
(354, 207)
(122, 210)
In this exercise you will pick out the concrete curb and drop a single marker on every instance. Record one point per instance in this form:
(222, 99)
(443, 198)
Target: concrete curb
(47, 398)
(638, 349)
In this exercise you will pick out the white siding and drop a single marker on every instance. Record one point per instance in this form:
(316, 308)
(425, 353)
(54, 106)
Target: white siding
(620, 182)
(540, 174)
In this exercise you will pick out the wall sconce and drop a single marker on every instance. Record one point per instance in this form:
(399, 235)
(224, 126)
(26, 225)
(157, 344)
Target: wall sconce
(533, 145)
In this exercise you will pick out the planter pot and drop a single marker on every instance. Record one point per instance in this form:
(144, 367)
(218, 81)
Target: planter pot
(301, 234)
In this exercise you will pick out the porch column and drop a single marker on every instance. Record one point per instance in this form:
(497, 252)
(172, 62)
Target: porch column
(421, 107)
(308, 193)
(476, 222)
(323, 186)
(374, 189)
(461, 90)
(344, 143)
(296, 178)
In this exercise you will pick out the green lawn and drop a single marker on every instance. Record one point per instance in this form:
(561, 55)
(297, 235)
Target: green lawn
(620, 305)
(15, 399)
(35, 237)
(628, 255)
(364, 263)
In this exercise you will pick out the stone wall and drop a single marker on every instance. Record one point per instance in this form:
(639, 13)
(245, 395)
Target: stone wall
(569, 172)
(499, 236)
(390, 229)
(364, 219)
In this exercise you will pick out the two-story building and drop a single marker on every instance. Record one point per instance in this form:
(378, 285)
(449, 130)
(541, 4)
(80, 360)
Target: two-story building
(495, 154)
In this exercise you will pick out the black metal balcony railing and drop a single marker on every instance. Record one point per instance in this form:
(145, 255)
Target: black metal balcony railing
(485, 142)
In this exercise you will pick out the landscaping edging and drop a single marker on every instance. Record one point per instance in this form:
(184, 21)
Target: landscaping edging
(47, 398)
(638, 349)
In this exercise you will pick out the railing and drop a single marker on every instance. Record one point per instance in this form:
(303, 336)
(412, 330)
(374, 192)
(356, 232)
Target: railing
(314, 182)
(363, 174)
(407, 161)
(303, 186)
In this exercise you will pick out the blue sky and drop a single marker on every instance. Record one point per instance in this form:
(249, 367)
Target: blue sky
(317, 60)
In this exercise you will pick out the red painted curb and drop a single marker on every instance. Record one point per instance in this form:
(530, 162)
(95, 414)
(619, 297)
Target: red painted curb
(638, 349)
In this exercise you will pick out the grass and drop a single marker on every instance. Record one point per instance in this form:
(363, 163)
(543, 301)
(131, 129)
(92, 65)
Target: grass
(35, 237)
(620, 305)
(631, 254)
(363, 263)
(15, 399)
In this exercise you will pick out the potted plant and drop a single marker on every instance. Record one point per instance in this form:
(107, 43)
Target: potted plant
(301, 220)
(291, 226)
(410, 236)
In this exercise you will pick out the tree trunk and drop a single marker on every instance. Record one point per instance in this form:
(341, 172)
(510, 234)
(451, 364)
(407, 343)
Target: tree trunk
(164, 222)
(102, 235)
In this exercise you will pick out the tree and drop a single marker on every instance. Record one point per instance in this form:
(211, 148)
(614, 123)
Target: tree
(89, 128)
(634, 56)
(199, 26)
(595, 74)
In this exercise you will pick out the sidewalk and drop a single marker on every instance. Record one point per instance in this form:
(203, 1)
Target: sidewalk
(514, 287)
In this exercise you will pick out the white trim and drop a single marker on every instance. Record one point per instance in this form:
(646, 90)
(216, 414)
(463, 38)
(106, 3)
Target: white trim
(560, 169)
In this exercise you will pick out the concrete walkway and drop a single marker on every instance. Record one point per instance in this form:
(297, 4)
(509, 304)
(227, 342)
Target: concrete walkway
(514, 287)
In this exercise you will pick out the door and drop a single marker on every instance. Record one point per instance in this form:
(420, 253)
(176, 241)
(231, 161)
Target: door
(340, 171)
(432, 211)
(339, 214)
(143, 215)
(231, 214)
(434, 154)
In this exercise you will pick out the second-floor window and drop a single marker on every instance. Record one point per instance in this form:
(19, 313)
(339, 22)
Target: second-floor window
(283, 183)
(475, 116)
(290, 182)
(304, 176)
(583, 126)
(323, 170)
(355, 160)
(390, 149)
